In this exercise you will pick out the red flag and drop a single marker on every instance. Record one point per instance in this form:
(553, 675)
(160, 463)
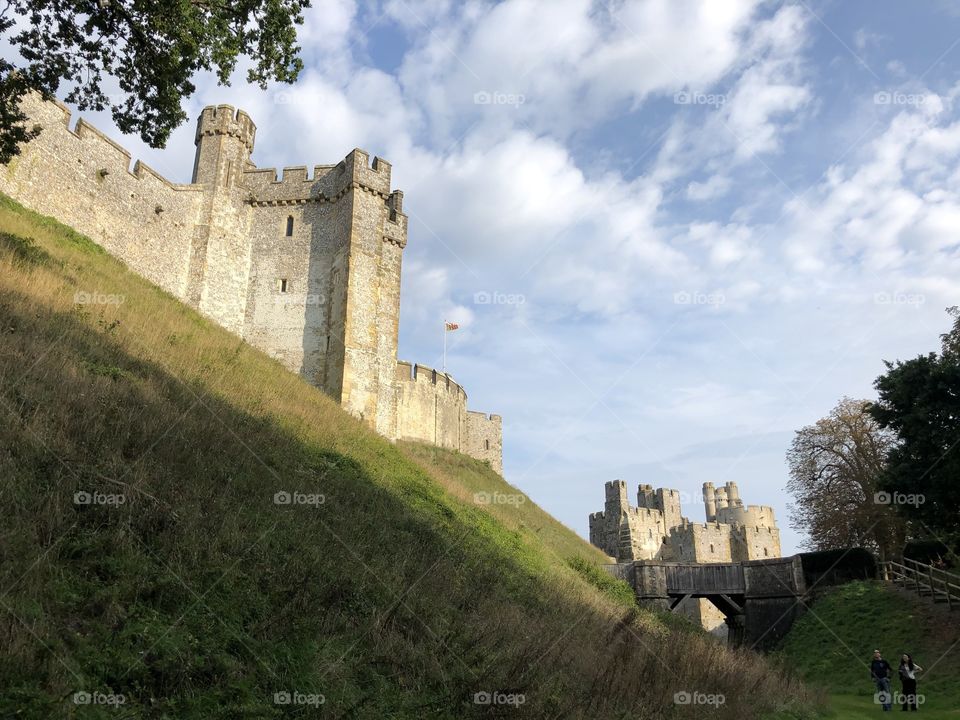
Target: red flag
(452, 326)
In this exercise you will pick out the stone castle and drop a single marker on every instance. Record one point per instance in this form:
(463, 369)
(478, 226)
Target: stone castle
(656, 530)
(305, 266)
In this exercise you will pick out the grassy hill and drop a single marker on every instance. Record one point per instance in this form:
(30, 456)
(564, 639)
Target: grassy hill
(150, 568)
(832, 645)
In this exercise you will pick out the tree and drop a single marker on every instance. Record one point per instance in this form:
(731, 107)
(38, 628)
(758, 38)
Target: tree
(919, 400)
(835, 467)
(152, 48)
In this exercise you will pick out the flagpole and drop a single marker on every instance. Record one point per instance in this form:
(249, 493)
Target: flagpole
(444, 346)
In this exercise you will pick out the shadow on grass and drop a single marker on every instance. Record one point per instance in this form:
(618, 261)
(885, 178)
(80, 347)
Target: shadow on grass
(148, 554)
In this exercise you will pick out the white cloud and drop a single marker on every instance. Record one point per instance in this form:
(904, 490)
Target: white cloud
(600, 364)
(714, 187)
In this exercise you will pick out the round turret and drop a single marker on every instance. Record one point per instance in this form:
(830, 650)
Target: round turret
(224, 142)
(224, 120)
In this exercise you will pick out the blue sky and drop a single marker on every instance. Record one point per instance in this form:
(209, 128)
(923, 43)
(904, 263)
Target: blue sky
(702, 223)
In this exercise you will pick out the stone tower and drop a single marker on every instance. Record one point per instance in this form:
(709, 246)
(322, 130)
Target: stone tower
(303, 264)
(657, 530)
(238, 272)
(219, 261)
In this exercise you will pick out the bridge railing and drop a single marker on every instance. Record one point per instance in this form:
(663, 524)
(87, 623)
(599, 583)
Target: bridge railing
(924, 579)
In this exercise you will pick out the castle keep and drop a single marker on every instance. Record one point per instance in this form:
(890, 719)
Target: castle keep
(656, 530)
(304, 266)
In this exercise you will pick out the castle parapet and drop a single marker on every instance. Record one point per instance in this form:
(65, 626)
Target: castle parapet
(328, 183)
(316, 286)
(418, 373)
(225, 120)
(371, 176)
(295, 185)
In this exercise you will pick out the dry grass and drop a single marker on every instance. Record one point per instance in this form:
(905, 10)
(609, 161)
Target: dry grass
(199, 597)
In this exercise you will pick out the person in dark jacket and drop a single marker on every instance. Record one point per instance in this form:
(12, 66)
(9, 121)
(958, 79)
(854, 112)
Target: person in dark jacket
(908, 678)
(880, 674)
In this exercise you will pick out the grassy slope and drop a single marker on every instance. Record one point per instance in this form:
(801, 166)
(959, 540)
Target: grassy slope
(199, 597)
(833, 644)
(472, 482)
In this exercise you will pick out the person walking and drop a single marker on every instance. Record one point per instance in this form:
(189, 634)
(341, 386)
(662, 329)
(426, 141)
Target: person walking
(908, 679)
(880, 674)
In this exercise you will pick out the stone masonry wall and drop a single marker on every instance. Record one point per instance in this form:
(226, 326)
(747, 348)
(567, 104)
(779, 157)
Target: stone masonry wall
(756, 543)
(220, 256)
(628, 533)
(378, 235)
(297, 294)
(83, 179)
(484, 438)
(701, 543)
(432, 406)
(305, 267)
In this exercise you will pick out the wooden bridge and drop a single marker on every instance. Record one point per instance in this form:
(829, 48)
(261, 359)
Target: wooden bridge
(760, 599)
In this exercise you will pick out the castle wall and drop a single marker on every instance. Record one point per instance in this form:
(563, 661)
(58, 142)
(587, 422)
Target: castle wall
(605, 525)
(701, 543)
(227, 264)
(648, 532)
(221, 254)
(625, 532)
(669, 503)
(297, 294)
(432, 407)
(756, 543)
(83, 179)
(761, 515)
(324, 300)
(373, 294)
(483, 438)
(705, 614)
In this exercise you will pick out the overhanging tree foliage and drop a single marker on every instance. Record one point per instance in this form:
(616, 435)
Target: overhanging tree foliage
(835, 467)
(151, 48)
(919, 400)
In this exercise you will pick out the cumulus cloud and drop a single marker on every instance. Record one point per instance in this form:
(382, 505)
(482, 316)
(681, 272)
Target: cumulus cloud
(619, 315)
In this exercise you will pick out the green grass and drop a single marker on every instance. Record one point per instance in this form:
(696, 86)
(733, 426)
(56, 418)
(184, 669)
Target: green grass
(194, 594)
(832, 645)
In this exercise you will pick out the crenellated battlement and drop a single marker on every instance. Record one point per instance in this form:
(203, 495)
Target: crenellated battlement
(226, 120)
(295, 185)
(94, 148)
(328, 183)
(483, 416)
(756, 529)
(656, 529)
(275, 258)
(417, 373)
